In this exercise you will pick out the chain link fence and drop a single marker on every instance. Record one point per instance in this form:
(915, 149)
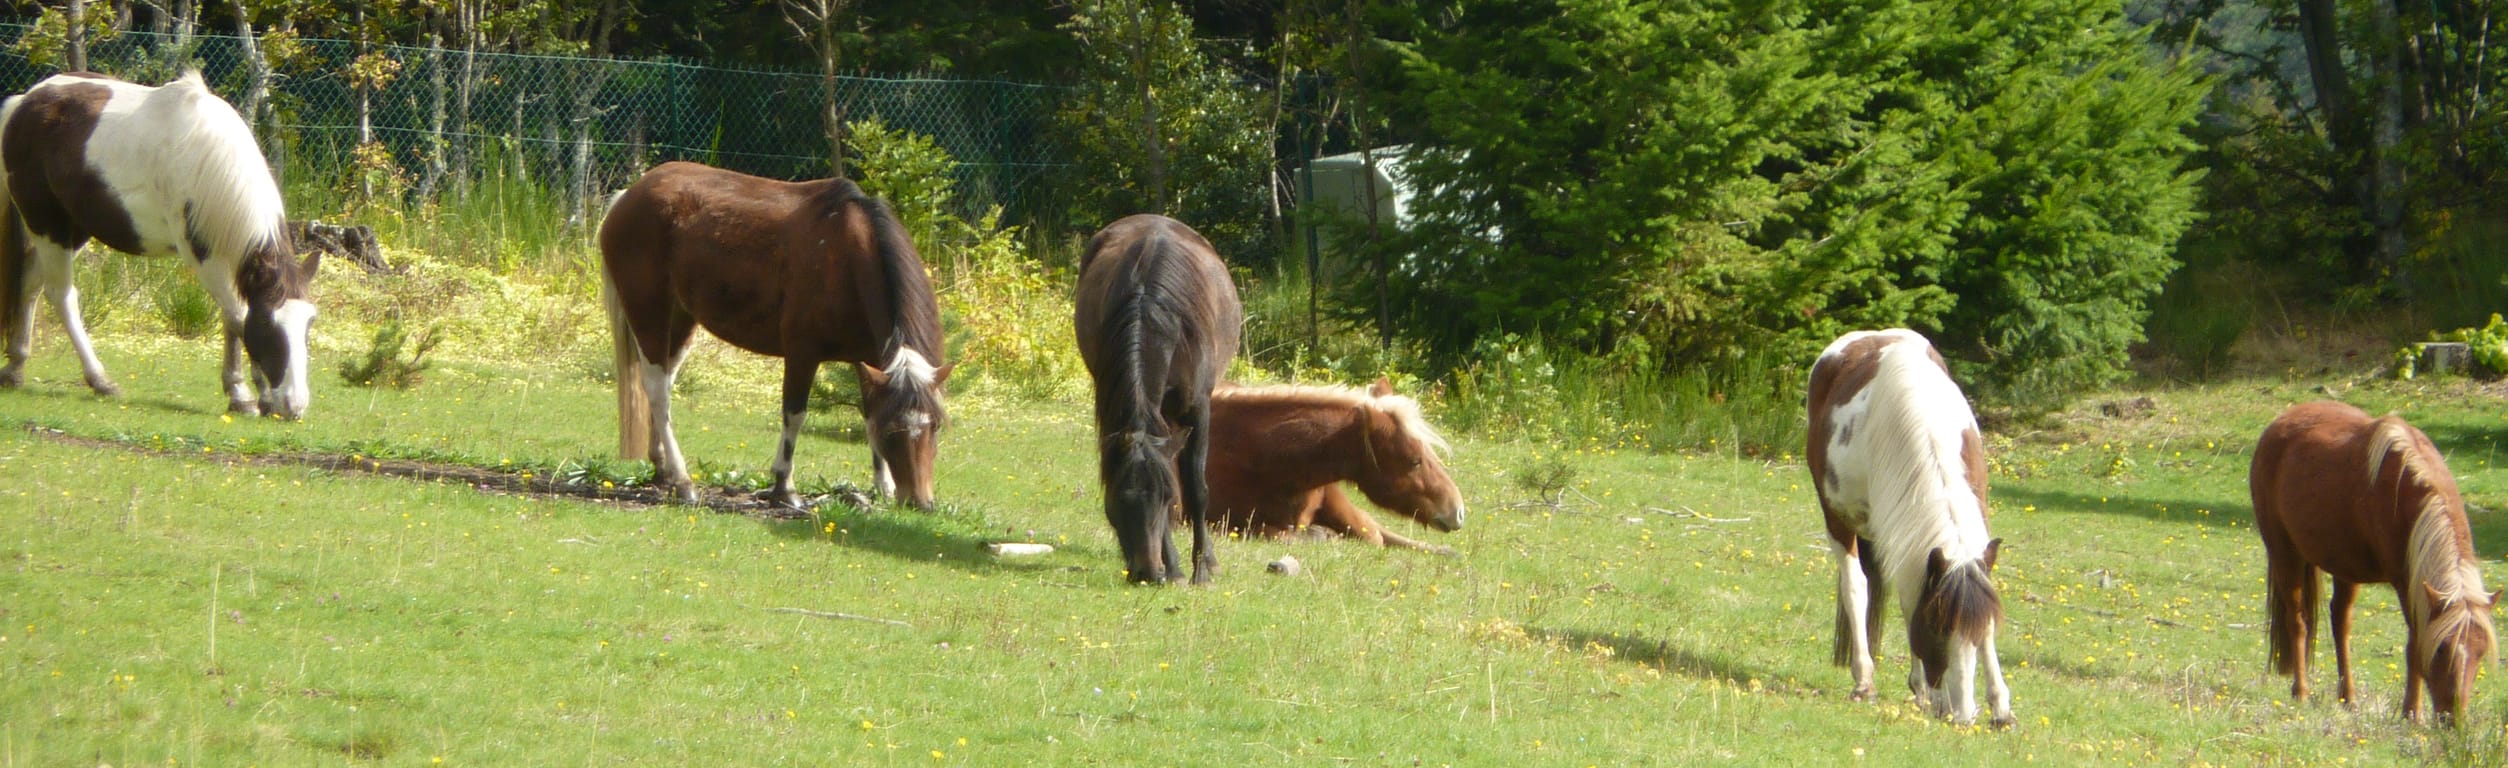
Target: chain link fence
(575, 126)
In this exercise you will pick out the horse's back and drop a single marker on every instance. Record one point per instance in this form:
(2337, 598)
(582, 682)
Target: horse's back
(1159, 273)
(2324, 481)
(1879, 395)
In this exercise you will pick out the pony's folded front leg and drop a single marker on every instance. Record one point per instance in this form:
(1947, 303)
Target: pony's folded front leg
(239, 392)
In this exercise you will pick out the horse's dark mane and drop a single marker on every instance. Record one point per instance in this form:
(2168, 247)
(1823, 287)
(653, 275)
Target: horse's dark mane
(1958, 602)
(268, 274)
(917, 322)
(1144, 308)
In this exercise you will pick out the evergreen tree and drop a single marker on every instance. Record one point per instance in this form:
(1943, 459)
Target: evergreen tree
(1687, 181)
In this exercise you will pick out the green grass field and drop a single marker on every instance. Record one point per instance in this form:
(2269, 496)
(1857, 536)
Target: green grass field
(164, 604)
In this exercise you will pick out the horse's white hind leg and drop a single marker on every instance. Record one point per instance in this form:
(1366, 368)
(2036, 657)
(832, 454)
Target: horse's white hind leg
(1854, 599)
(1998, 695)
(670, 470)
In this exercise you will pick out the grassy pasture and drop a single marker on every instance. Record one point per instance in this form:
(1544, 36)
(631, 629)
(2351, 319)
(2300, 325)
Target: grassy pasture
(171, 606)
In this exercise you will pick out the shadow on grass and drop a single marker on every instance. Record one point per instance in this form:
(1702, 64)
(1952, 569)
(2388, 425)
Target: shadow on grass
(906, 534)
(2009, 499)
(79, 393)
(1662, 655)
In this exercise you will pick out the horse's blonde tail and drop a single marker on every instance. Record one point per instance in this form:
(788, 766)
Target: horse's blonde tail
(635, 413)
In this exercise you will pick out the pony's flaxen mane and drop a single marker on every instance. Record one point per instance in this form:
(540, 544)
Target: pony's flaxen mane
(2440, 552)
(1405, 411)
(1917, 464)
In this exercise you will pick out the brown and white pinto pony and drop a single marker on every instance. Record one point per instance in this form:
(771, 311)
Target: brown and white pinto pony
(2368, 501)
(170, 170)
(1279, 455)
(1899, 466)
(811, 272)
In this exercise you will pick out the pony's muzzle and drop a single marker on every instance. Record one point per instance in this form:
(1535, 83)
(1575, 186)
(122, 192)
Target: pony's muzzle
(1449, 521)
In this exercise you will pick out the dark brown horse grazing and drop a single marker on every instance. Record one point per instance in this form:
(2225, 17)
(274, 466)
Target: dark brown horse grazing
(1279, 455)
(807, 271)
(1157, 320)
(2366, 501)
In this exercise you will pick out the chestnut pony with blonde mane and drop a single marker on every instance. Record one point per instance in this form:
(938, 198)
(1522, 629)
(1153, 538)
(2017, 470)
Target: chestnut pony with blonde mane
(1899, 466)
(811, 272)
(1280, 454)
(2369, 500)
(1157, 319)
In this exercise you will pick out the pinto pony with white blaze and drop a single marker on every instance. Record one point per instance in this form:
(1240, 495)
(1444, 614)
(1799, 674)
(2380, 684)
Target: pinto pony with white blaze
(1899, 466)
(810, 272)
(170, 170)
(2366, 501)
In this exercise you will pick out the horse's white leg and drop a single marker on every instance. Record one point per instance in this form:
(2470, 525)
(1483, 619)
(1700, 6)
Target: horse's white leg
(798, 376)
(670, 470)
(1854, 599)
(21, 336)
(240, 397)
(51, 269)
(1961, 687)
(1998, 695)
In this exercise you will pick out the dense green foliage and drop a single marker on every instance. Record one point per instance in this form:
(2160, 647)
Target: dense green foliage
(1594, 170)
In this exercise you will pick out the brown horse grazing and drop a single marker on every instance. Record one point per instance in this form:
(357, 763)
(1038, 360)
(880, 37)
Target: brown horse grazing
(808, 271)
(2369, 500)
(1157, 320)
(1279, 455)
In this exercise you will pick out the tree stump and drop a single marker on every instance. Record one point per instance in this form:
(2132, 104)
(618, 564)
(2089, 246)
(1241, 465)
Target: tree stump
(354, 243)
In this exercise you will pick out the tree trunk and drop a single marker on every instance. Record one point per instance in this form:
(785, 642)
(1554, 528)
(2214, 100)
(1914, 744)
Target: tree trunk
(1355, 32)
(463, 89)
(1146, 27)
(434, 175)
(2325, 67)
(2386, 184)
(75, 58)
(256, 78)
(580, 190)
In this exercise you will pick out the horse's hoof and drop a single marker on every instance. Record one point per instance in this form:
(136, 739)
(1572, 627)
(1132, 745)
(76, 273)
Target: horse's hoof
(2001, 722)
(12, 378)
(243, 407)
(783, 500)
(104, 387)
(1440, 551)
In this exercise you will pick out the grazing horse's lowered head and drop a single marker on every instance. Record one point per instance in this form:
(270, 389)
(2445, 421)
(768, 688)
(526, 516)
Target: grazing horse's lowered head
(170, 170)
(901, 406)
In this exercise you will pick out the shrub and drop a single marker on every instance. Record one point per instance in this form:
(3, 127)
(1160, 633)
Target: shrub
(383, 365)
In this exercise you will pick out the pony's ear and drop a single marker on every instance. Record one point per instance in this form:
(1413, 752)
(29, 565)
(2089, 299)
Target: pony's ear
(1994, 551)
(2495, 597)
(2437, 602)
(941, 375)
(871, 376)
(313, 262)
(1382, 387)
(1935, 565)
